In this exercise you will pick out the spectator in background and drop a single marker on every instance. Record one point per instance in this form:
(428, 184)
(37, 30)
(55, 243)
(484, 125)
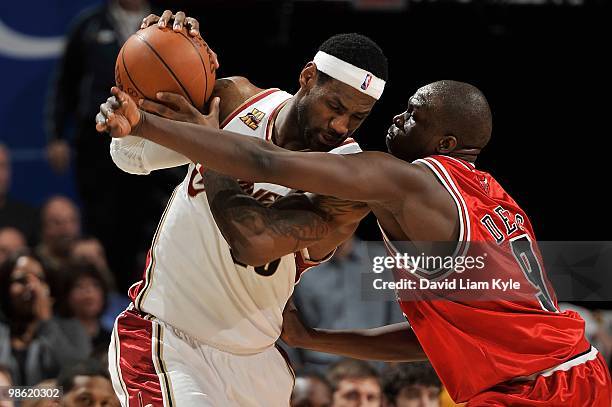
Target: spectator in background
(5, 381)
(89, 250)
(311, 390)
(329, 297)
(13, 213)
(34, 344)
(355, 383)
(84, 298)
(60, 229)
(87, 384)
(411, 385)
(114, 209)
(11, 241)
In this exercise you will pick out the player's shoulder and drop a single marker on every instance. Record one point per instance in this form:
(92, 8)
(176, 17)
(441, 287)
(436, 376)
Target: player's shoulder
(233, 91)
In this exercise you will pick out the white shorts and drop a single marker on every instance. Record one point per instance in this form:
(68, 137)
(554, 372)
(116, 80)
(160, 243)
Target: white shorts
(151, 362)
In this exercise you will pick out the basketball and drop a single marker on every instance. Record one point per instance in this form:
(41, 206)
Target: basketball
(161, 60)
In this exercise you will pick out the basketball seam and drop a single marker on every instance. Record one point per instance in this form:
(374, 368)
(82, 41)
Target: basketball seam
(203, 65)
(128, 72)
(167, 67)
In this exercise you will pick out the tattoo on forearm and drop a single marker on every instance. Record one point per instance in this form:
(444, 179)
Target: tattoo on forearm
(237, 214)
(336, 207)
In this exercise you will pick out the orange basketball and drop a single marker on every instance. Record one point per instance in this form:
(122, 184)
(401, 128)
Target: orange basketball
(155, 60)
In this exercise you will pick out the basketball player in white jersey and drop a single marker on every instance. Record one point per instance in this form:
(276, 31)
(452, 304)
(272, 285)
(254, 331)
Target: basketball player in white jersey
(203, 321)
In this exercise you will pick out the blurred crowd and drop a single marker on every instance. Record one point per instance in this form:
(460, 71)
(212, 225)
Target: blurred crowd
(60, 292)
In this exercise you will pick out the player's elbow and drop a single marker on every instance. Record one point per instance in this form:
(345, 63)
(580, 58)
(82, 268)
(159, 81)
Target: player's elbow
(127, 158)
(256, 252)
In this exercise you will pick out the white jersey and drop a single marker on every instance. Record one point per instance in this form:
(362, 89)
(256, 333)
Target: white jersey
(191, 280)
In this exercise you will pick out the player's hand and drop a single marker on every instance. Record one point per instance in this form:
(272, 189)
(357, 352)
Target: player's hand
(119, 115)
(212, 118)
(58, 155)
(178, 21)
(294, 332)
(174, 107)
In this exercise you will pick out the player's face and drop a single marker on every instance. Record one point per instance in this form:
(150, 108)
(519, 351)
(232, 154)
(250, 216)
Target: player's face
(91, 391)
(330, 113)
(413, 133)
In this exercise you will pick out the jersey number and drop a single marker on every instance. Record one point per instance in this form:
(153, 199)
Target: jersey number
(522, 249)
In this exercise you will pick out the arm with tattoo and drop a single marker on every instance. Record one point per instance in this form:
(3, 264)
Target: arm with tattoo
(258, 234)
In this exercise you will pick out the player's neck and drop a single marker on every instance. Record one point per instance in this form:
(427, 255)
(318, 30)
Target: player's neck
(469, 155)
(286, 133)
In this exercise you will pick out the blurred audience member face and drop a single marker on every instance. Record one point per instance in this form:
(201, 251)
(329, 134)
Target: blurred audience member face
(86, 299)
(5, 171)
(27, 279)
(91, 252)
(61, 225)
(418, 396)
(358, 392)
(91, 391)
(11, 240)
(5, 381)
(310, 392)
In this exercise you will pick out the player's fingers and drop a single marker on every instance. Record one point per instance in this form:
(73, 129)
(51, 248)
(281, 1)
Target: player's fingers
(214, 108)
(101, 123)
(157, 109)
(101, 128)
(149, 20)
(193, 26)
(121, 96)
(113, 102)
(106, 110)
(164, 19)
(100, 119)
(179, 20)
(173, 99)
(214, 58)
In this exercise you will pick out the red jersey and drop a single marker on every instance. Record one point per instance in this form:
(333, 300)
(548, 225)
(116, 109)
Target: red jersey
(475, 345)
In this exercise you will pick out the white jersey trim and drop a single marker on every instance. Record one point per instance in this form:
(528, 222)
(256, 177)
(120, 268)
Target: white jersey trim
(563, 367)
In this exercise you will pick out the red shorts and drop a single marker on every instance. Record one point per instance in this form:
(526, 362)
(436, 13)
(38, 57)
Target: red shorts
(584, 385)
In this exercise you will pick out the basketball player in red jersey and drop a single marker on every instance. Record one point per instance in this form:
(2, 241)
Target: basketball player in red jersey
(496, 353)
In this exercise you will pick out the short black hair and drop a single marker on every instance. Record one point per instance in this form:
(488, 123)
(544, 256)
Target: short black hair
(462, 110)
(395, 378)
(89, 367)
(358, 50)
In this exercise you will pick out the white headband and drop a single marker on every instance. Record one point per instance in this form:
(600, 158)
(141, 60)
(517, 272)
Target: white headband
(353, 76)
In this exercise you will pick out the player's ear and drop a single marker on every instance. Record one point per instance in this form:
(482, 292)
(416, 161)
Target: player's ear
(447, 144)
(308, 76)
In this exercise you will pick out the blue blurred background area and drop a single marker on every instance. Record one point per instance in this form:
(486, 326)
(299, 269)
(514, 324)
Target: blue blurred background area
(31, 40)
